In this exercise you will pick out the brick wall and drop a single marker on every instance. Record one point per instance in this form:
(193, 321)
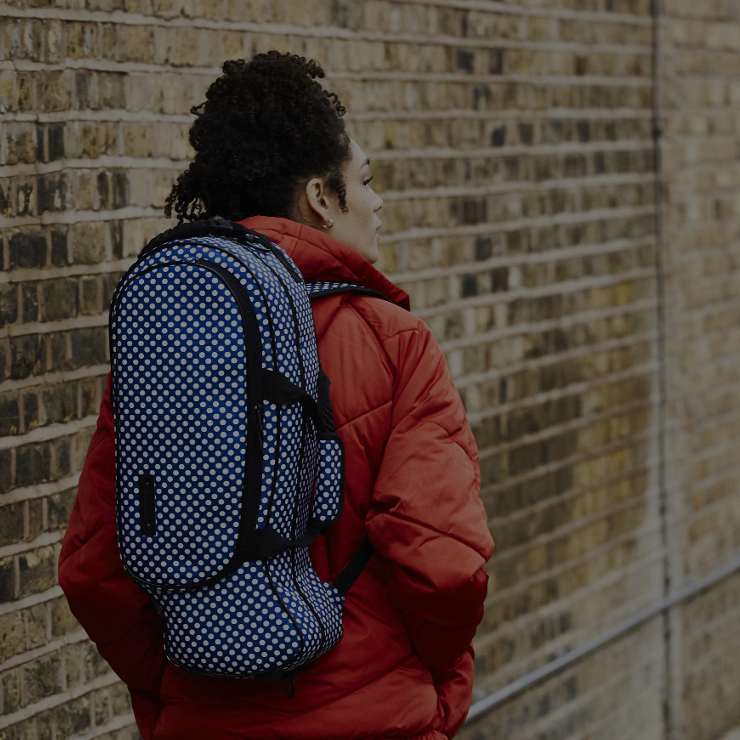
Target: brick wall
(702, 94)
(512, 145)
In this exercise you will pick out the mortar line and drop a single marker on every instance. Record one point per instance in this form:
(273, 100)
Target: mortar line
(453, 114)
(493, 152)
(43, 540)
(525, 584)
(21, 275)
(583, 522)
(28, 601)
(58, 699)
(489, 227)
(553, 467)
(552, 610)
(496, 373)
(524, 259)
(604, 689)
(70, 638)
(128, 162)
(640, 533)
(71, 217)
(514, 9)
(130, 213)
(27, 493)
(509, 370)
(48, 327)
(709, 481)
(328, 32)
(131, 69)
(579, 423)
(565, 287)
(581, 456)
(48, 433)
(553, 113)
(482, 339)
(61, 376)
(605, 581)
(117, 723)
(492, 7)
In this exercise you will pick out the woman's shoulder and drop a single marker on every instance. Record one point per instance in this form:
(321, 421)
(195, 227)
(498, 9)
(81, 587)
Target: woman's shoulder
(367, 330)
(386, 319)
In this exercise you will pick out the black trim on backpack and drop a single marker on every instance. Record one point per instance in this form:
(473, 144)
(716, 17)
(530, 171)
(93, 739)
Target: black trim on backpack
(253, 455)
(207, 227)
(283, 258)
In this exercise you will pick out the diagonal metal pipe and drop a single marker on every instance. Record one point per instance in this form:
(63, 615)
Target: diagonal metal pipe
(485, 705)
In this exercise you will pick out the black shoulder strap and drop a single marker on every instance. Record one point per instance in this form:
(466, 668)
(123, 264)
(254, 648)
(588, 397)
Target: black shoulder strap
(345, 580)
(223, 228)
(352, 570)
(321, 289)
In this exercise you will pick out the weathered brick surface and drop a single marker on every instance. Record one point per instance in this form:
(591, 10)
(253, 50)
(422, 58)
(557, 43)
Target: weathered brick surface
(512, 144)
(702, 90)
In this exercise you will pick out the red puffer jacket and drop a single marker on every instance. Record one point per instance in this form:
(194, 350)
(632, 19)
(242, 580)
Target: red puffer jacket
(404, 667)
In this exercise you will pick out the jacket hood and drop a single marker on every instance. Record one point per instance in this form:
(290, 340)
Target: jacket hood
(321, 257)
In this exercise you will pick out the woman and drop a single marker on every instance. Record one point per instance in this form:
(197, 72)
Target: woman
(272, 153)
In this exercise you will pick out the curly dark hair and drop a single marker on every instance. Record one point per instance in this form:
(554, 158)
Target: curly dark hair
(266, 127)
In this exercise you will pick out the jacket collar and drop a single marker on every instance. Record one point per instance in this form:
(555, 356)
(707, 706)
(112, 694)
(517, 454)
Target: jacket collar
(321, 257)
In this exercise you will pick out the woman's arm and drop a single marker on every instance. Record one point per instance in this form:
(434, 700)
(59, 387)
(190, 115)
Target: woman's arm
(114, 612)
(426, 517)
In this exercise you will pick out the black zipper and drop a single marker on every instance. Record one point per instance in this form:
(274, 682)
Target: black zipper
(297, 338)
(253, 455)
(239, 552)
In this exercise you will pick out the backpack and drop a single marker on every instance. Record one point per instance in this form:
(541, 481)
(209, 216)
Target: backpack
(227, 461)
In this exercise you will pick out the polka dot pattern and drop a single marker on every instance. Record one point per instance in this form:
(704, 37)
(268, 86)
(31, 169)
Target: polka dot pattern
(180, 397)
(325, 286)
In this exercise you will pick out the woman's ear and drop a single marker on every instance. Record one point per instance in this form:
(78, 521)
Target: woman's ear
(316, 203)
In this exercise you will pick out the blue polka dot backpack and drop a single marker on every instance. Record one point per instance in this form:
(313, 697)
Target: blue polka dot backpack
(227, 462)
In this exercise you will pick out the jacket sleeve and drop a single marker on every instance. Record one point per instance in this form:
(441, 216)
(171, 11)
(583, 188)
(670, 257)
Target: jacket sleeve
(114, 612)
(455, 691)
(426, 517)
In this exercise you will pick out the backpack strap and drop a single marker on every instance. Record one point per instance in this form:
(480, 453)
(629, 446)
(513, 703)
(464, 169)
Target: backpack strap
(345, 580)
(356, 565)
(324, 288)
